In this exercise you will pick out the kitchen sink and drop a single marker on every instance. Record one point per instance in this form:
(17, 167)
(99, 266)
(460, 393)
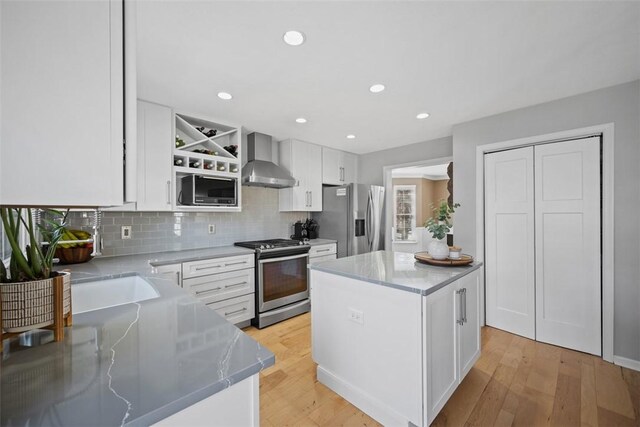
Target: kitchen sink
(101, 294)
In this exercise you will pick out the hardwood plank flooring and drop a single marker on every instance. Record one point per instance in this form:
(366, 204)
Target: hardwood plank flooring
(516, 382)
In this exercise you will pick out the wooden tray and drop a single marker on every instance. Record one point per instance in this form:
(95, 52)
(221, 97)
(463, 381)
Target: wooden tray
(427, 259)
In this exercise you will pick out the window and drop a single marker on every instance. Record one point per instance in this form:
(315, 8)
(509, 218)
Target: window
(404, 212)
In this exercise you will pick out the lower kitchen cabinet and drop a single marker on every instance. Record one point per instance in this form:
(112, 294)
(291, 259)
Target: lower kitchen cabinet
(172, 272)
(319, 253)
(425, 344)
(226, 285)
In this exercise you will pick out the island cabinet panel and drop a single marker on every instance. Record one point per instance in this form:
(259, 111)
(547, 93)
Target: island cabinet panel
(441, 374)
(367, 343)
(396, 351)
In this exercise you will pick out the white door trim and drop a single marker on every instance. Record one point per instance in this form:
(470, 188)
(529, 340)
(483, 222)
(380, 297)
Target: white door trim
(388, 191)
(607, 131)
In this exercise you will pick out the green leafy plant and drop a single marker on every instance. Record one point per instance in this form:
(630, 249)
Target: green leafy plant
(440, 223)
(34, 263)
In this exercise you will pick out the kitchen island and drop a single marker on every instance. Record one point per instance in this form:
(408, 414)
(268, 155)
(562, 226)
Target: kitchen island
(393, 336)
(166, 360)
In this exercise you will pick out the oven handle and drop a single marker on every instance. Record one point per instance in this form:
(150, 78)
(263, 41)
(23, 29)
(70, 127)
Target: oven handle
(286, 258)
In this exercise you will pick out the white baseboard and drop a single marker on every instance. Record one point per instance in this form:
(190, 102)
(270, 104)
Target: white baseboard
(367, 404)
(627, 363)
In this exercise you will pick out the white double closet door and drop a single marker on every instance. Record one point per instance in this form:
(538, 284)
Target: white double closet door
(542, 243)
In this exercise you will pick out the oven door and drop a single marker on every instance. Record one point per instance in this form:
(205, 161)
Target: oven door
(282, 281)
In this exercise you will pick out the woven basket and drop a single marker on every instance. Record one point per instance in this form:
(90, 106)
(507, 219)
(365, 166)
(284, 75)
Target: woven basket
(29, 305)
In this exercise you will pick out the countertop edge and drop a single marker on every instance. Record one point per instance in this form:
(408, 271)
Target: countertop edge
(406, 288)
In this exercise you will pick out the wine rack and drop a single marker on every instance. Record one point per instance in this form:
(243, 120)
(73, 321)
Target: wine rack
(196, 153)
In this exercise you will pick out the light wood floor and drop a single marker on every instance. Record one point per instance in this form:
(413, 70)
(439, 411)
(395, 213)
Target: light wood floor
(516, 382)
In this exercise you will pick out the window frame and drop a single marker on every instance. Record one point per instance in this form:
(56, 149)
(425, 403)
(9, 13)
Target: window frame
(411, 236)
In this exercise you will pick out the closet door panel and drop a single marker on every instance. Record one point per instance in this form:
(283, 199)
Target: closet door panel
(568, 277)
(509, 239)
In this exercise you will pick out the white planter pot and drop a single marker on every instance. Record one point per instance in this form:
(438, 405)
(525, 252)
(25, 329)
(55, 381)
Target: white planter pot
(438, 249)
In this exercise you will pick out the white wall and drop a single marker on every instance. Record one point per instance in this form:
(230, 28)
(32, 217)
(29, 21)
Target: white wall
(619, 105)
(371, 164)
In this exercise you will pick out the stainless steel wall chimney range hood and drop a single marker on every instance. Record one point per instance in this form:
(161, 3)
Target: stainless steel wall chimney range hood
(260, 171)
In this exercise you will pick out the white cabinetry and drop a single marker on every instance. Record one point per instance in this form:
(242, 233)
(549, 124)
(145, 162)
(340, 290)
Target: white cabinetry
(338, 167)
(425, 345)
(319, 253)
(154, 157)
(172, 272)
(62, 93)
(226, 285)
(304, 161)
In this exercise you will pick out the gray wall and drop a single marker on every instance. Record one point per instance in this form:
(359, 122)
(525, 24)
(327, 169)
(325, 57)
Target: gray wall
(618, 104)
(169, 231)
(371, 164)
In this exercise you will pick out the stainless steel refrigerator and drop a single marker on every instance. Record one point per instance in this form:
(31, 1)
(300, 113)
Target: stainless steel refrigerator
(353, 215)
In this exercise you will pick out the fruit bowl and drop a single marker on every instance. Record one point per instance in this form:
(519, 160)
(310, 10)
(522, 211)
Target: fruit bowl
(75, 255)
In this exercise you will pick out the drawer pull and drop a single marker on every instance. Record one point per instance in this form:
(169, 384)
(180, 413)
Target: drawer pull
(236, 284)
(323, 250)
(235, 312)
(208, 290)
(208, 268)
(235, 263)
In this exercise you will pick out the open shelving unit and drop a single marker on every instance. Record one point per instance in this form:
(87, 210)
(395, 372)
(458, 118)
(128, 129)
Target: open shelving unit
(215, 161)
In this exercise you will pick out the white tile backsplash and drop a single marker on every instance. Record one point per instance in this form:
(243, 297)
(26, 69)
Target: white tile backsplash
(167, 231)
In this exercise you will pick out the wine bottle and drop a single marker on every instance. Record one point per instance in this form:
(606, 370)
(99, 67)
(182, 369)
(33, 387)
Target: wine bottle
(178, 162)
(221, 167)
(208, 165)
(194, 164)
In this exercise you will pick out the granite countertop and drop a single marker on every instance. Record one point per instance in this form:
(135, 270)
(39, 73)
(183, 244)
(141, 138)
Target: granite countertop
(132, 364)
(396, 270)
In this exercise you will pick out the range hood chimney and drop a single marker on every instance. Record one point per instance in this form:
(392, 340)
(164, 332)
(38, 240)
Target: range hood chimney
(260, 171)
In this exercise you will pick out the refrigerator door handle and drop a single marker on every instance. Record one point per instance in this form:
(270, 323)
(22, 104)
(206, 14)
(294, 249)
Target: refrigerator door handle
(368, 220)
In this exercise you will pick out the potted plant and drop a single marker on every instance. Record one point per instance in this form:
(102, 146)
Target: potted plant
(439, 225)
(33, 295)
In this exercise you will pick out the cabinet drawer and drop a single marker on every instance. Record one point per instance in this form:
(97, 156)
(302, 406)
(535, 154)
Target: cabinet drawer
(235, 310)
(218, 287)
(216, 265)
(315, 259)
(321, 250)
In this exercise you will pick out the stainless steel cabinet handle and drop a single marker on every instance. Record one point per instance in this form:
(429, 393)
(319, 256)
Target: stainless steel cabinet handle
(460, 320)
(235, 312)
(234, 263)
(178, 278)
(209, 267)
(235, 284)
(310, 198)
(168, 192)
(306, 199)
(208, 290)
(464, 305)
(323, 250)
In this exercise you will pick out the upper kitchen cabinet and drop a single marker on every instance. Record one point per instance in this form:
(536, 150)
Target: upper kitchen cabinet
(338, 167)
(154, 157)
(62, 93)
(304, 162)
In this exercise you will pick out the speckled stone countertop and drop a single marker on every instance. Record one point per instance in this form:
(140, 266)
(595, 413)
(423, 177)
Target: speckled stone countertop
(132, 364)
(396, 270)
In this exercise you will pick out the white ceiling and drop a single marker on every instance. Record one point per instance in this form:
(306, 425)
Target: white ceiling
(456, 60)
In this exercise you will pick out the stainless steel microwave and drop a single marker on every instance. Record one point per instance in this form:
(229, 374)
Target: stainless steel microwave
(202, 190)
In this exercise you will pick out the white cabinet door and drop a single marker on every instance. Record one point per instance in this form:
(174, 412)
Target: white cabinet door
(567, 186)
(331, 166)
(172, 272)
(349, 168)
(509, 234)
(62, 89)
(441, 348)
(314, 177)
(468, 320)
(304, 162)
(154, 157)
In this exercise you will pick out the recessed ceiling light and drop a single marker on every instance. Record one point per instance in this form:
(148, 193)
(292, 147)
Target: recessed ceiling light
(422, 116)
(377, 88)
(224, 95)
(351, 136)
(293, 38)
(301, 120)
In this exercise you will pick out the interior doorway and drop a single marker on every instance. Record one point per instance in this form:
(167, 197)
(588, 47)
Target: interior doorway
(412, 193)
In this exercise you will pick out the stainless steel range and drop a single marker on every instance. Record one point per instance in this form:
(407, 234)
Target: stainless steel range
(282, 280)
